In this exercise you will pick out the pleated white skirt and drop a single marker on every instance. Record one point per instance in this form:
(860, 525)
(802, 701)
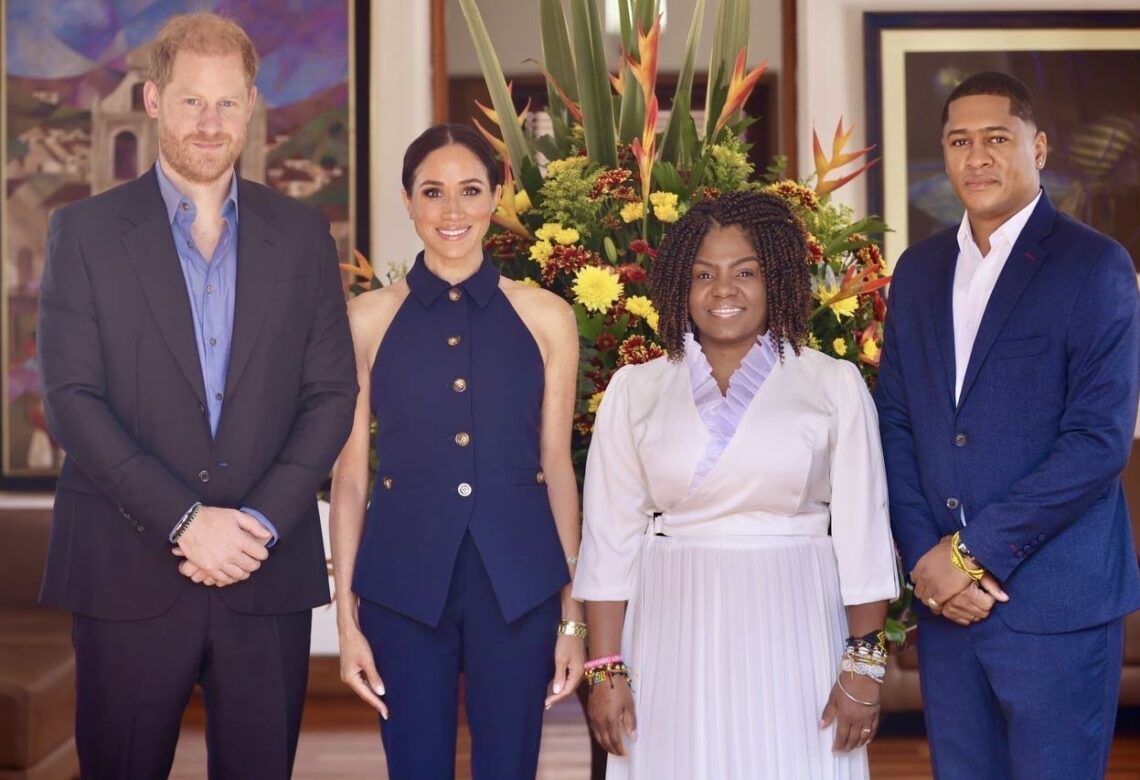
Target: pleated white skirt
(733, 644)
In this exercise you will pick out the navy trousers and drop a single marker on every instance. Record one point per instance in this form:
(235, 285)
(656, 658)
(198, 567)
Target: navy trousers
(507, 667)
(1001, 704)
(133, 679)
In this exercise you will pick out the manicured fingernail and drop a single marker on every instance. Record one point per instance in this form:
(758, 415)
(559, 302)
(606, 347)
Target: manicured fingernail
(558, 687)
(384, 715)
(548, 705)
(379, 690)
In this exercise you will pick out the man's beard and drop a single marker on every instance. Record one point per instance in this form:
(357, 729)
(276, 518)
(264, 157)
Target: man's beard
(194, 165)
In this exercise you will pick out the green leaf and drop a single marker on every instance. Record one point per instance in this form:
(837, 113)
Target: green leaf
(625, 19)
(497, 85)
(558, 58)
(589, 325)
(593, 83)
(548, 147)
(632, 117)
(531, 176)
(667, 177)
(645, 14)
(673, 147)
(895, 631)
(729, 37)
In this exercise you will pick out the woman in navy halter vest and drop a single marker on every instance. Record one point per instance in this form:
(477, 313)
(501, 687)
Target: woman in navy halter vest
(460, 561)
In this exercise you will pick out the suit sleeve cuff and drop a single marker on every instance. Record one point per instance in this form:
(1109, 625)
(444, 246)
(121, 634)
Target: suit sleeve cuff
(265, 522)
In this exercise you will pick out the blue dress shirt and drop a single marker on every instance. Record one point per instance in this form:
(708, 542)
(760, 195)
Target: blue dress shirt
(211, 285)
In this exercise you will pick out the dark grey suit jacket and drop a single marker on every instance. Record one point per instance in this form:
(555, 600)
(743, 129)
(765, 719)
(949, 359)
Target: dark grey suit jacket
(124, 398)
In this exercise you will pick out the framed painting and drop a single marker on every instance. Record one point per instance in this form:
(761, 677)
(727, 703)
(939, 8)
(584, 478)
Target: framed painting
(72, 125)
(1081, 66)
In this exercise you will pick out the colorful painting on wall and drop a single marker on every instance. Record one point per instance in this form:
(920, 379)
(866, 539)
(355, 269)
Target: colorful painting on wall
(73, 125)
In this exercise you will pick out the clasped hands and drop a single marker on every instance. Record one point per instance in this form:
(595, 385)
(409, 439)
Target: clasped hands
(222, 546)
(948, 591)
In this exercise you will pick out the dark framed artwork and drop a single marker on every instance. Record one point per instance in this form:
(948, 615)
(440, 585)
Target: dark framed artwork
(72, 125)
(1083, 69)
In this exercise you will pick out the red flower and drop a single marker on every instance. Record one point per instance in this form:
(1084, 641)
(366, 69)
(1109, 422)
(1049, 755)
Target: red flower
(567, 259)
(642, 247)
(609, 182)
(632, 273)
(605, 342)
(637, 349)
(880, 307)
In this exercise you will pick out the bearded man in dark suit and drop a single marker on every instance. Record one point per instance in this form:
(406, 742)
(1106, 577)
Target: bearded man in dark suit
(198, 371)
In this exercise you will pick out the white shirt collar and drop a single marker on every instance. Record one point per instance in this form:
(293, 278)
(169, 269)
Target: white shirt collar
(1005, 235)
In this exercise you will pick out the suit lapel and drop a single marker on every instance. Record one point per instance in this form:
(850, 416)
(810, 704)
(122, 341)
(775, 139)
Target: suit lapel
(942, 310)
(1025, 259)
(256, 272)
(150, 246)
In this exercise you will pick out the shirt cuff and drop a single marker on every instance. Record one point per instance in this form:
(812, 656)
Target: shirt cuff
(265, 522)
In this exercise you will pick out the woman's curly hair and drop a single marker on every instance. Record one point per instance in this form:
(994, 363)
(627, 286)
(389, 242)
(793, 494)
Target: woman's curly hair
(778, 237)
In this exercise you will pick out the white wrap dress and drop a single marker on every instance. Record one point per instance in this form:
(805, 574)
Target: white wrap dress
(736, 528)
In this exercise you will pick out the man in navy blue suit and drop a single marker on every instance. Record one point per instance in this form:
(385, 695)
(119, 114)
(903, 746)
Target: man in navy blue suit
(1007, 398)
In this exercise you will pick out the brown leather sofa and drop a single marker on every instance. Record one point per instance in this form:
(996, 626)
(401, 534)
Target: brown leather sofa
(37, 666)
(901, 691)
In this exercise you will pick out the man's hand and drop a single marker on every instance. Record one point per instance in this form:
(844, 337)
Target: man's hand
(937, 581)
(222, 546)
(975, 602)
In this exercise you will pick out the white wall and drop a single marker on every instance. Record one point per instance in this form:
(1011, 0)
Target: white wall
(400, 109)
(513, 25)
(830, 75)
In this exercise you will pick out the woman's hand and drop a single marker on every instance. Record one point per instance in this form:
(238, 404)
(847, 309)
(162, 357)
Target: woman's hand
(611, 715)
(569, 666)
(358, 669)
(855, 723)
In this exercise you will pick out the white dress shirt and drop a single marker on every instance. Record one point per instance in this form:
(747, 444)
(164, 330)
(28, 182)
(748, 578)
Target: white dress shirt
(974, 280)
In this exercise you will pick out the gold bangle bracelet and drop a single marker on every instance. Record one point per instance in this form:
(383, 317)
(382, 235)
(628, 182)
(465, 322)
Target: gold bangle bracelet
(572, 628)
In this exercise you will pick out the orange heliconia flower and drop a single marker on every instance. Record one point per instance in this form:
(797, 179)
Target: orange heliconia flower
(839, 158)
(740, 87)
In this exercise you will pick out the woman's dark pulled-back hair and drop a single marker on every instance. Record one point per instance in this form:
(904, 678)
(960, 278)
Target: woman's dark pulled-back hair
(439, 136)
(777, 235)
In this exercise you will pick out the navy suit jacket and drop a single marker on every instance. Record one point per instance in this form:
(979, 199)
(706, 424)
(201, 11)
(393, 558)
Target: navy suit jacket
(1034, 448)
(124, 396)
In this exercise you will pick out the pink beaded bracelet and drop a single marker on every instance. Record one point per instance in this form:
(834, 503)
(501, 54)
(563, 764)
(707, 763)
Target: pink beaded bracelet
(596, 663)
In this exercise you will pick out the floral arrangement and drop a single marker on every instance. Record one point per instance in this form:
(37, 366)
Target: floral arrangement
(587, 222)
(584, 209)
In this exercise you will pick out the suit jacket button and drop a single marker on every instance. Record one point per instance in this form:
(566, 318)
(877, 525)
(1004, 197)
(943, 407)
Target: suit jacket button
(203, 476)
(960, 440)
(540, 478)
(387, 482)
(459, 385)
(454, 294)
(464, 489)
(453, 341)
(952, 503)
(462, 439)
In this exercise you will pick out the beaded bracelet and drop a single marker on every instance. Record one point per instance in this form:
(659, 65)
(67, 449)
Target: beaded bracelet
(601, 674)
(594, 663)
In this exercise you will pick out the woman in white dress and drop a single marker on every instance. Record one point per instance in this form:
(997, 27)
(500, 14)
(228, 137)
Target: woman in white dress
(736, 537)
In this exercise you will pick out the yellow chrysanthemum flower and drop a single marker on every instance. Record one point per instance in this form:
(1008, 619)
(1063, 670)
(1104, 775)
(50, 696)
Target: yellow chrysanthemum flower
(548, 231)
(631, 212)
(528, 282)
(839, 346)
(870, 349)
(541, 252)
(567, 236)
(596, 288)
(843, 308)
(595, 401)
(665, 206)
(638, 306)
(522, 202)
